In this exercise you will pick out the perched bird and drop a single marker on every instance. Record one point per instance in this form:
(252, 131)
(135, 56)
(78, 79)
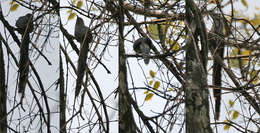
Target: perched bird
(84, 36)
(24, 26)
(142, 46)
(81, 31)
(23, 22)
(215, 35)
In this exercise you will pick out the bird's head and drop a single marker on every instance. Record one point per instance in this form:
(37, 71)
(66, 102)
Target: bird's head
(79, 21)
(22, 23)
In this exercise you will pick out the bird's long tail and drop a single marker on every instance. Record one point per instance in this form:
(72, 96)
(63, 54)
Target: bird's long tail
(217, 81)
(146, 60)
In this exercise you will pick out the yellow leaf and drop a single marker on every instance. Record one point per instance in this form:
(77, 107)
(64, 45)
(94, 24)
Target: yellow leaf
(256, 20)
(245, 53)
(146, 91)
(170, 89)
(229, 112)
(235, 62)
(79, 4)
(94, 9)
(12, 2)
(235, 115)
(71, 16)
(176, 46)
(254, 75)
(183, 37)
(226, 127)
(152, 73)
(150, 82)
(156, 85)
(69, 11)
(153, 30)
(14, 7)
(73, 2)
(148, 97)
(52, 12)
(231, 103)
(180, 22)
(244, 3)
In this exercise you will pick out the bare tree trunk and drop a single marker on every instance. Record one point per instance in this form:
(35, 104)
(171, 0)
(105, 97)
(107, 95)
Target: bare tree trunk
(196, 91)
(3, 114)
(126, 119)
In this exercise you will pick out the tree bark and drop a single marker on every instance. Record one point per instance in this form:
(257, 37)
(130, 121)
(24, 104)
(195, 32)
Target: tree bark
(196, 91)
(126, 119)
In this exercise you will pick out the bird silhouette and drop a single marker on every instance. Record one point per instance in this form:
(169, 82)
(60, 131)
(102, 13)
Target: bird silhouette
(217, 44)
(24, 26)
(142, 46)
(84, 36)
(23, 22)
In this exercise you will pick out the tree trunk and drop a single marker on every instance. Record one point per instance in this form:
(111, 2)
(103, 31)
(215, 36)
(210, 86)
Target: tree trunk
(126, 119)
(196, 91)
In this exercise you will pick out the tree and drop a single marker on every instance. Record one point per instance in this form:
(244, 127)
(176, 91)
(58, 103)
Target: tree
(203, 73)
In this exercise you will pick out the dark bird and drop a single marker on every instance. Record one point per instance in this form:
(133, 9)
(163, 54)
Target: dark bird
(23, 22)
(84, 36)
(142, 46)
(81, 31)
(215, 38)
(24, 26)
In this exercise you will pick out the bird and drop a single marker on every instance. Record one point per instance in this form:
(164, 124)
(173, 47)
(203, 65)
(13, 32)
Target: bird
(143, 46)
(81, 31)
(24, 26)
(23, 22)
(84, 36)
(217, 45)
